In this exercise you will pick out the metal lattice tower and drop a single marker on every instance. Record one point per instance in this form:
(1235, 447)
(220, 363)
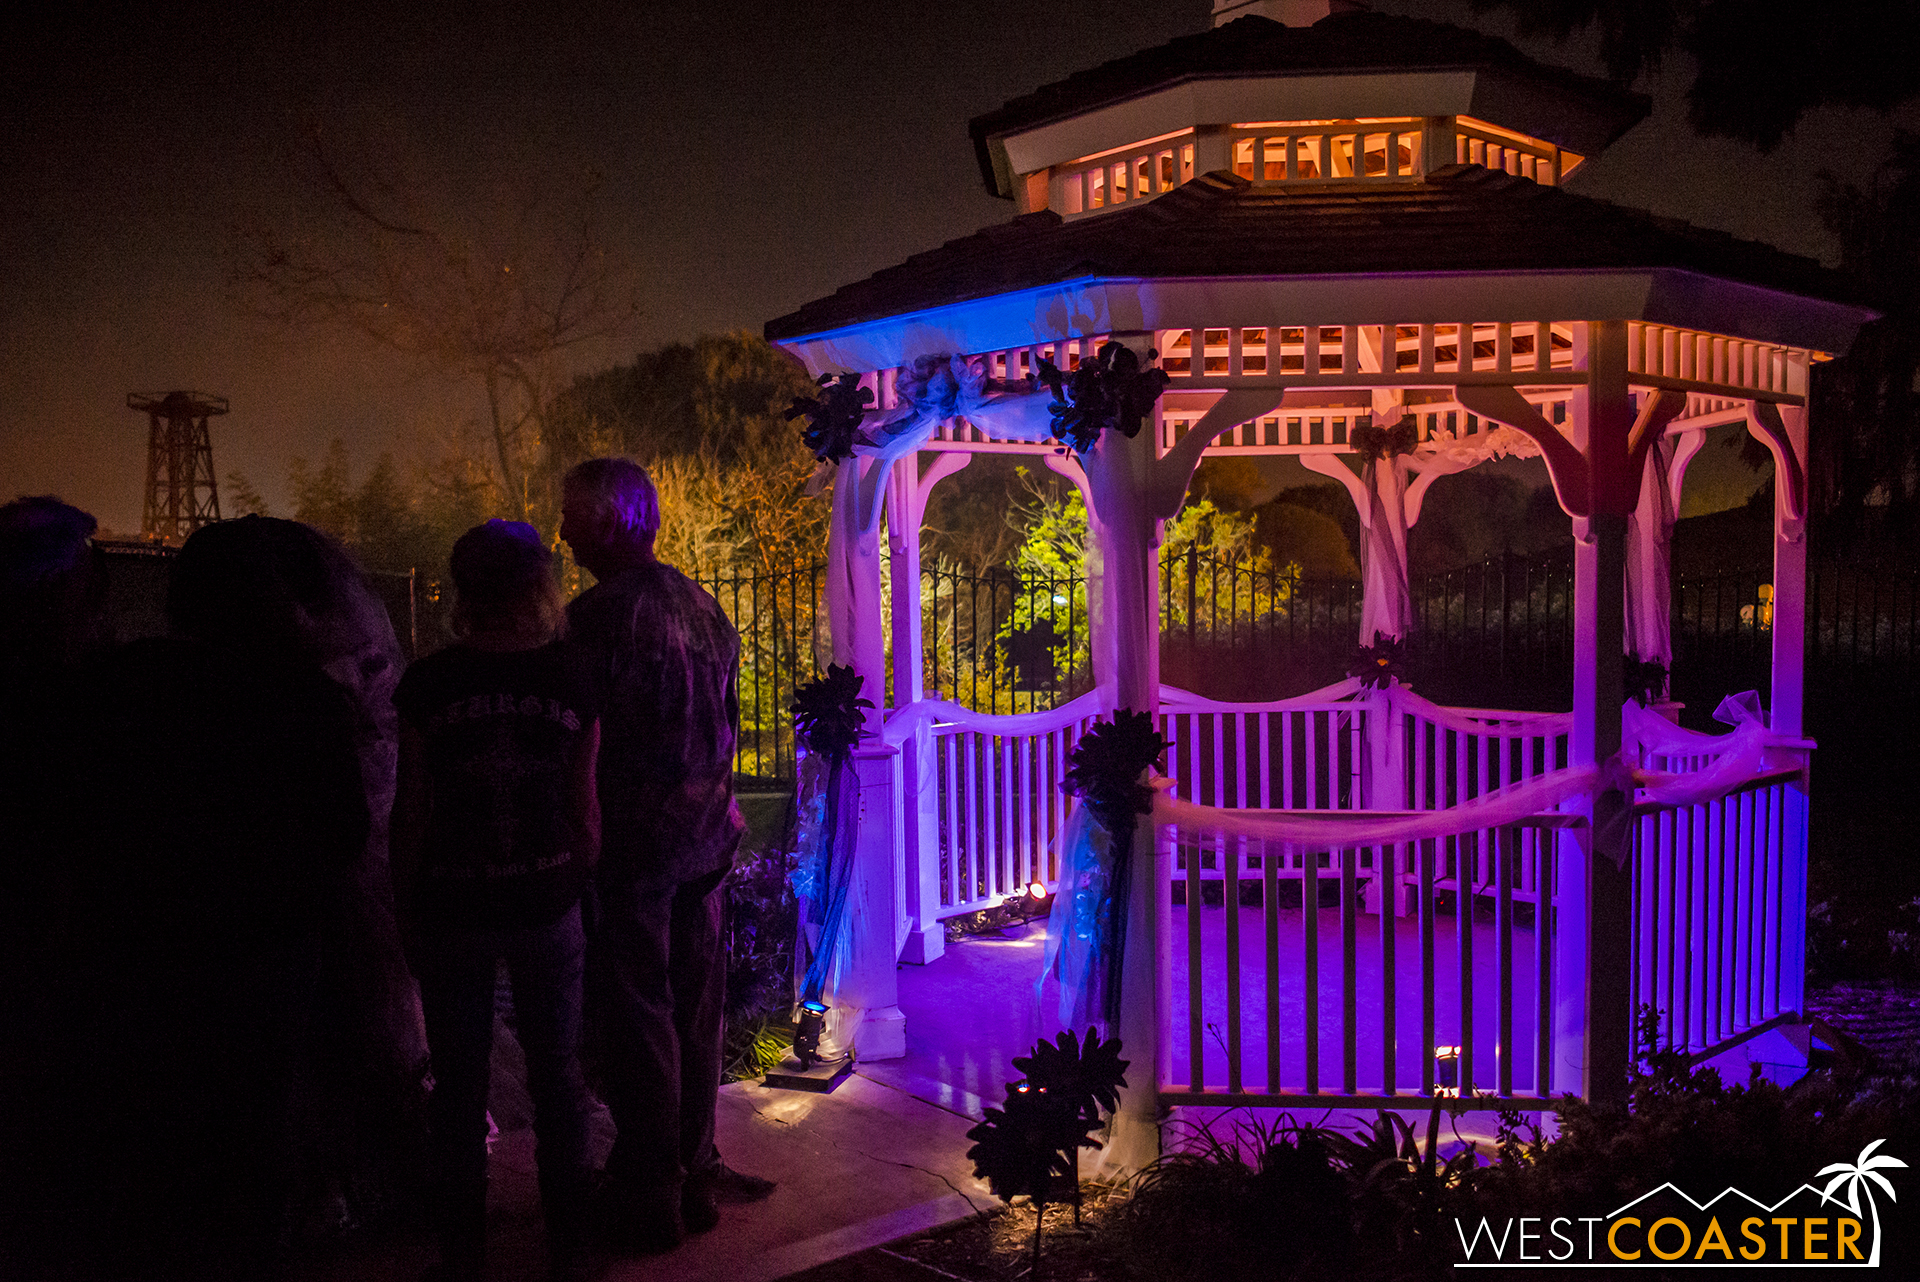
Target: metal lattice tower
(182, 494)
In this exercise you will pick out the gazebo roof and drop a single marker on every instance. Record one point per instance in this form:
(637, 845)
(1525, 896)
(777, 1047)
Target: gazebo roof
(1463, 219)
(1580, 112)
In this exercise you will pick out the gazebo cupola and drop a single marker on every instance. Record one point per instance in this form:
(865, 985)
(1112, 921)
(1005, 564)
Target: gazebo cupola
(1356, 96)
(1344, 240)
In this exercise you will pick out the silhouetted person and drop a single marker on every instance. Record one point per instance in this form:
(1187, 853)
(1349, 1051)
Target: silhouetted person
(495, 834)
(657, 969)
(52, 611)
(220, 810)
(284, 588)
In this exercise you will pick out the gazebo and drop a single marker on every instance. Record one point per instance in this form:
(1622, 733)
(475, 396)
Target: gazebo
(1344, 237)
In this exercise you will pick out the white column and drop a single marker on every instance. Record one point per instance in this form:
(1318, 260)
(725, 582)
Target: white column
(923, 938)
(1787, 712)
(869, 980)
(1602, 419)
(853, 582)
(1789, 590)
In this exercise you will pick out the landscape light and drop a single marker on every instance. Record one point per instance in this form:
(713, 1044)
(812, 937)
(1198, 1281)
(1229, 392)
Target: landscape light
(1446, 1070)
(806, 1037)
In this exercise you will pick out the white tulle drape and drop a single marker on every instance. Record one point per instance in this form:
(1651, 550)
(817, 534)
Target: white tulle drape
(1649, 573)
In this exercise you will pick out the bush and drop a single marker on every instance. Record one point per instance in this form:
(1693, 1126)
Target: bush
(1295, 1200)
(763, 919)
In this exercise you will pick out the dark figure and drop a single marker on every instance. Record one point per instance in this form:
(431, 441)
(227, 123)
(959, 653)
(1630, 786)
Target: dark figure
(495, 833)
(282, 587)
(657, 973)
(217, 809)
(52, 599)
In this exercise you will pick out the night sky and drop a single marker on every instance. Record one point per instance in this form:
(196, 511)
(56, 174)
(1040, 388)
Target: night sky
(758, 155)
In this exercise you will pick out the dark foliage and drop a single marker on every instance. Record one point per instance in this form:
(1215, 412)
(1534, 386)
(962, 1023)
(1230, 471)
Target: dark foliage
(763, 917)
(1374, 443)
(1031, 1146)
(1865, 480)
(833, 417)
(1646, 680)
(1086, 1076)
(1760, 64)
(826, 713)
(1111, 391)
(1380, 663)
(1295, 1201)
(1105, 767)
(1267, 1202)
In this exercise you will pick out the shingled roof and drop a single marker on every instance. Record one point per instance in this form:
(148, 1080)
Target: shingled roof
(1463, 218)
(1255, 46)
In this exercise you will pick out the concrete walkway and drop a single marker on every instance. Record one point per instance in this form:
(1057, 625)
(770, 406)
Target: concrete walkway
(881, 1158)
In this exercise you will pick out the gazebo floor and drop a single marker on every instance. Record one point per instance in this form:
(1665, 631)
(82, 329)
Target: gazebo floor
(970, 1012)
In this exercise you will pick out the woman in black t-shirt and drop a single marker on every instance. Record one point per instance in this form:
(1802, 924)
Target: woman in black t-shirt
(495, 831)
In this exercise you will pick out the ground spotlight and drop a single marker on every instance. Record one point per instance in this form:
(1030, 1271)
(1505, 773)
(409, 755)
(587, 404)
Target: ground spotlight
(806, 1037)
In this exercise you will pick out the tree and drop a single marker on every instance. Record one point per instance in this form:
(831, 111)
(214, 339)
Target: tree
(709, 418)
(498, 291)
(1759, 65)
(1869, 459)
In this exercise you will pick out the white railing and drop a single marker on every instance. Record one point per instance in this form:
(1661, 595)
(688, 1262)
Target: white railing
(1719, 908)
(1288, 982)
(1273, 1004)
(1329, 151)
(983, 801)
(1129, 174)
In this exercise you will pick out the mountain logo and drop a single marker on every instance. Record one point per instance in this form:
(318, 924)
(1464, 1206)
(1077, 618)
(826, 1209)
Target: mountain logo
(1837, 1225)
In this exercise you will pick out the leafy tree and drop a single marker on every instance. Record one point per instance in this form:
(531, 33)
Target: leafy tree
(1759, 65)
(501, 292)
(709, 419)
(1869, 458)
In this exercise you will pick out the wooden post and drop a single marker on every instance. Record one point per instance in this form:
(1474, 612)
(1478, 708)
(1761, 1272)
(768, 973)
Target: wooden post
(1602, 419)
(872, 980)
(922, 936)
(1789, 592)
(1787, 712)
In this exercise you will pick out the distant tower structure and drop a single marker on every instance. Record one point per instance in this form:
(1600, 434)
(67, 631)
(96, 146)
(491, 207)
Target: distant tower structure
(182, 494)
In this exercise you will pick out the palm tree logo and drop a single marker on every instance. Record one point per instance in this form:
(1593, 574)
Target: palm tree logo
(1856, 1177)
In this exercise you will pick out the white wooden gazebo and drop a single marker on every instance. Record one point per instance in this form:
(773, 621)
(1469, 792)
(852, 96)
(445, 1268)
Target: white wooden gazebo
(1319, 227)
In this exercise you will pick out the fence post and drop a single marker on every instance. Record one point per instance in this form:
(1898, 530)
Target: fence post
(925, 935)
(870, 977)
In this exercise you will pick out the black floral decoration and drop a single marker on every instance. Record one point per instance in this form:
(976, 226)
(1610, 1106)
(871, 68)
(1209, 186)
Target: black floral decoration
(1646, 680)
(1375, 443)
(1109, 391)
(1086, 1076)
(1031, 1146)
(826, 713)
(1380, 663)
(1104, 772)
(1104, 769)
(833, 417)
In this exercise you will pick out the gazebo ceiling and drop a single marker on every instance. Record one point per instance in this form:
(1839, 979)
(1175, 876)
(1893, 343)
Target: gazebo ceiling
(1489, 77)
(1466, 243)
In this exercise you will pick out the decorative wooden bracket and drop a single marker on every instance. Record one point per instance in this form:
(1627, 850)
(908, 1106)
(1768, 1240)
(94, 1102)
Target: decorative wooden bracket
(872, 493)
(1789, 478)
(1063, 463)
(1566, 465)
(1659, 409)
(1174, 469)
(1331, 465)
(944, 465)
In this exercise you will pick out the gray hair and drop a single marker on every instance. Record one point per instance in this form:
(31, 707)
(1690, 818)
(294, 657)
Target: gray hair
(619, 488)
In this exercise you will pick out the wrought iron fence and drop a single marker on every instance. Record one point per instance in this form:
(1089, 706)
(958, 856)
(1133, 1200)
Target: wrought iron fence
(782, 625)
(1003, 642)
(1496, 633)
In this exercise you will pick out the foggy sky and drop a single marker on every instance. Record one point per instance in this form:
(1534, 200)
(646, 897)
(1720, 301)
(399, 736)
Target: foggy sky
(759, 155)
